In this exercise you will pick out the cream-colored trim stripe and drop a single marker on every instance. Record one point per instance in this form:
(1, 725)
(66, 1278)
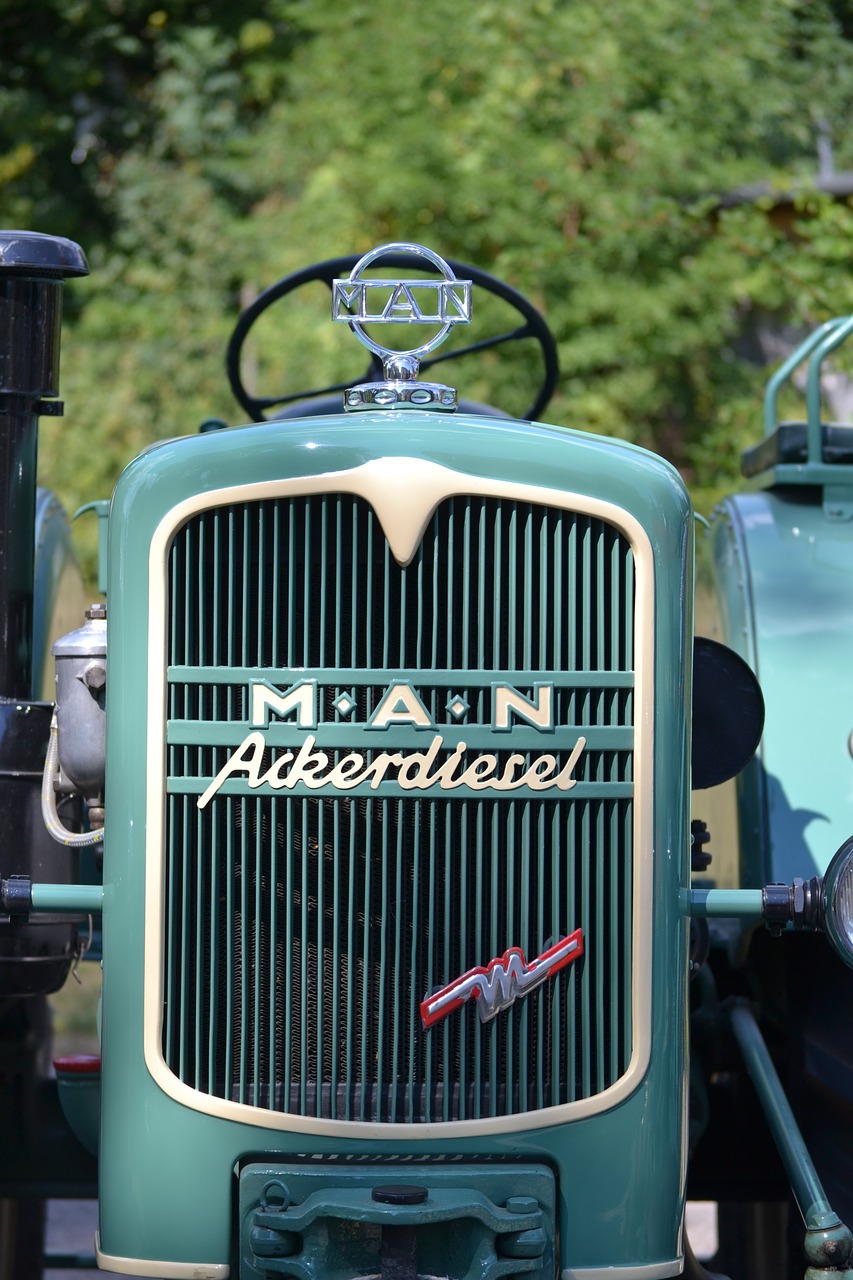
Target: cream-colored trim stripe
(167, 1270)
(423, 485)
(650, 1271)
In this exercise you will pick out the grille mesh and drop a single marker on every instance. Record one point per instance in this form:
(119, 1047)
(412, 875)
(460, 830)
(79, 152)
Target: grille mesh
(302, 932)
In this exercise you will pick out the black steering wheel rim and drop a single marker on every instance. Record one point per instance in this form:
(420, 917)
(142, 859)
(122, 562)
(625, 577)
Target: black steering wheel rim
(533, 326)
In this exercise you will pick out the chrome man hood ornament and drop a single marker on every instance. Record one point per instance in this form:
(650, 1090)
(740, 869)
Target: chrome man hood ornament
(445, 302)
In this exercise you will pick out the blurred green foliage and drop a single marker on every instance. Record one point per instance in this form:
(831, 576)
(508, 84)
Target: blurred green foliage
(591, 155)
(74, 1012)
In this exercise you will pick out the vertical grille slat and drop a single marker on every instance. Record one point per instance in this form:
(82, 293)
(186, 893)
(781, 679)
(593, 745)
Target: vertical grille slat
(287, 947)
(302, 931)
(273, 1034)
(587, 907)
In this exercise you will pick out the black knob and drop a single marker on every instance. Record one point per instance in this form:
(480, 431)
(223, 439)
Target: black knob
(400, 1193)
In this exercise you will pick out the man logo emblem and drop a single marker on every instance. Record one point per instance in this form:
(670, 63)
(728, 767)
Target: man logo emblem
(445, 302)
(498, 984)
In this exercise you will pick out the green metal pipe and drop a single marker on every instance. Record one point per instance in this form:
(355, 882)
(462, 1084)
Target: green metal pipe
(732, 903)
(84, 898)
(805, 1183)
(833, 339)
(783, 373)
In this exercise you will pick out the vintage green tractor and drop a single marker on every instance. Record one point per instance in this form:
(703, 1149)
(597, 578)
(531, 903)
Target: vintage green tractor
(388, 731)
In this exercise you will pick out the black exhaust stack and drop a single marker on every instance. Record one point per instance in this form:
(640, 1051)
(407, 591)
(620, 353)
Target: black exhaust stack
(34, 957)
(32, 270)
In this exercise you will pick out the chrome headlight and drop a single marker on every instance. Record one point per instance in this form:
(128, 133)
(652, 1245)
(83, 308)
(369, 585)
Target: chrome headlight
(838, 901)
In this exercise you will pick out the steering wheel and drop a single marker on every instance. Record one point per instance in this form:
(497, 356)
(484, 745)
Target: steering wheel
(533, 326)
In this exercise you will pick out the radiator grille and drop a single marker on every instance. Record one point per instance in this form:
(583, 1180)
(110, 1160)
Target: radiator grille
(303, 931)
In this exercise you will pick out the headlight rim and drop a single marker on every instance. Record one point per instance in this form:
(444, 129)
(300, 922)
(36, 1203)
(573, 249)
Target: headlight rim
(842, 942)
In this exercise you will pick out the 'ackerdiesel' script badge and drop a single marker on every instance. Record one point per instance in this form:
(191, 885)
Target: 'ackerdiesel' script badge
(498, 984)
(444, 764)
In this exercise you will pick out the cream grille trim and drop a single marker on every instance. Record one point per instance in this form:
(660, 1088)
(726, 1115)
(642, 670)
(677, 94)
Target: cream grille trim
(403, 492)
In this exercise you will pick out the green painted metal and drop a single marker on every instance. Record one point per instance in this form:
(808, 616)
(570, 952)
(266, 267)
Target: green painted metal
(740, 904)
(782, 375)
(88, 898)
(830, 342)
(784, 574)
(180, 1208)
(835, 474)
(783, 563)
(101, 508)
(814, 1207)
(472, 1223)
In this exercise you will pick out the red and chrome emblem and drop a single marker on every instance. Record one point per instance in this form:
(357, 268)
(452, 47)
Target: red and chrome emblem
(502, 981)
